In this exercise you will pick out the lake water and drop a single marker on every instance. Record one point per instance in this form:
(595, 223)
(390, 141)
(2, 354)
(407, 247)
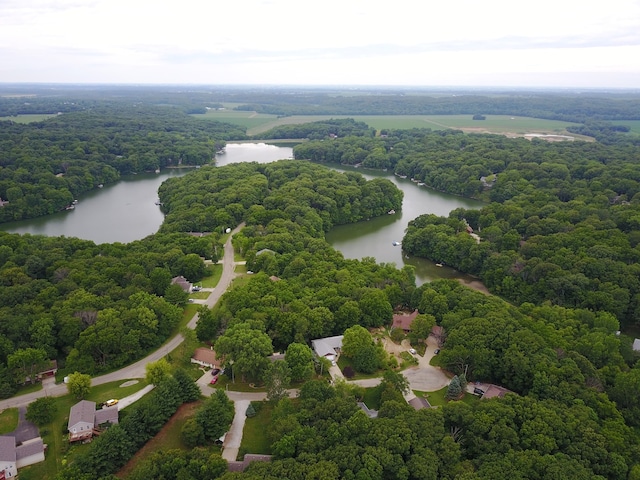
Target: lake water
(126, 211)
(121, 212)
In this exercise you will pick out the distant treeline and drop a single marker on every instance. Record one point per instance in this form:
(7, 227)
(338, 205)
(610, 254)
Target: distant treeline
(555, 105)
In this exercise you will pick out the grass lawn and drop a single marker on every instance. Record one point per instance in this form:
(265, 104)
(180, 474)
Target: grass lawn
(59, 452)
(8, 420)
(226, 383)
(344, 362)
(214, 272)
(254, 438)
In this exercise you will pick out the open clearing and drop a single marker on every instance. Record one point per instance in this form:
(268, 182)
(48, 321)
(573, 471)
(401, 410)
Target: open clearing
(257, 123)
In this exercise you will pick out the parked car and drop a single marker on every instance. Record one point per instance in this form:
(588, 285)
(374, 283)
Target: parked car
(111, 402)
(196, 288)
(478, 391)
(412, 351)
(214, 380)
(215, 372)
(436, 351)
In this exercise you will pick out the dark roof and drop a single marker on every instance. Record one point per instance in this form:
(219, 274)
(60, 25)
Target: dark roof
(493, 391)
(30, 447)
(419, 403)
(183, 282)
(106, 414)
(404, 320)
(83, 411)
(7, 449)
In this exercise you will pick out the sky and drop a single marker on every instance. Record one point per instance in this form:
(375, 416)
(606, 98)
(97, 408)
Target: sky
(543, 43)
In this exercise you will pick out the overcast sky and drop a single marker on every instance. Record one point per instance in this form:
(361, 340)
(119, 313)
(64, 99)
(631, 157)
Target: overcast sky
(564, 43)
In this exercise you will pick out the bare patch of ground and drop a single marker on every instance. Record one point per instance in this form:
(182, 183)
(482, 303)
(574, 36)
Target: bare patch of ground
(129, 383)
(476, 285)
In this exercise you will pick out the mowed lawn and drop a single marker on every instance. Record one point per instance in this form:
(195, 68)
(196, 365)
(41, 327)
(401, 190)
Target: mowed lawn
(257, 123)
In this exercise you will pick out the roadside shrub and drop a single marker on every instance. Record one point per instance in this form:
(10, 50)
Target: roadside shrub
(348, 371)
(251, 411)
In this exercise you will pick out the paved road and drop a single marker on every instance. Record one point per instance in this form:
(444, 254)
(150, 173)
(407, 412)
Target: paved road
(138, 369)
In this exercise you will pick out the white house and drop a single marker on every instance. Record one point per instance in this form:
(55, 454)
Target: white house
(81, 420)
(327, 347)
(205, 357)
(84, 419)
(13, 457)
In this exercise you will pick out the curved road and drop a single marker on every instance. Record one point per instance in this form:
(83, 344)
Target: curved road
(137, 369)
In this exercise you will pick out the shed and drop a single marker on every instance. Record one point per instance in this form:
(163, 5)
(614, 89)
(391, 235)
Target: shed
(636, 345)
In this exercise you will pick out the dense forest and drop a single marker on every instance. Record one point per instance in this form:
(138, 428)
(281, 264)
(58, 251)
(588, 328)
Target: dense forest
(558, 239)
(575, 416)
(45, 165)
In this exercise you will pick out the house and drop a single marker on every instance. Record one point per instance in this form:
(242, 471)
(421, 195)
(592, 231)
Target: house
(240, 466)
(493, 391)
(13, 457)
(8, 465)
(418, 403)
(404, 320)
(205, 357)
(636, 345)
(183, 283)
(328, 347)
(50, 371)
(84, 420)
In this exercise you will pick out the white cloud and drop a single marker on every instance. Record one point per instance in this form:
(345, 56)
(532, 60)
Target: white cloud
(334, 41)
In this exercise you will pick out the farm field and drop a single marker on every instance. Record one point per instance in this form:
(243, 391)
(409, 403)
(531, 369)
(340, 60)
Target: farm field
(500, 124)
(634, 125)
(28, 118)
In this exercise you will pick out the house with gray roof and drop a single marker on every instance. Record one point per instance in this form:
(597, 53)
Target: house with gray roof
(84, 420)
(328, 347)
(13, 457)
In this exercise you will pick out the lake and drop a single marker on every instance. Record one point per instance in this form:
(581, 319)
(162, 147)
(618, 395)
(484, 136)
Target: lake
(126, 211)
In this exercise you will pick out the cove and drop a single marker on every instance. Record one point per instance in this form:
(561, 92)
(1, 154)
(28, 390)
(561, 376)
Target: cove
(126, 211)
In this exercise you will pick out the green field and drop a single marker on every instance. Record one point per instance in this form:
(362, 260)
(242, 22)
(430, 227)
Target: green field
(257, 123)
(634, 125)
(28, 118)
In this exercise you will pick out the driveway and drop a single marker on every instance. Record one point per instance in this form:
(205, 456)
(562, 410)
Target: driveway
(425, 377)
(25, 430)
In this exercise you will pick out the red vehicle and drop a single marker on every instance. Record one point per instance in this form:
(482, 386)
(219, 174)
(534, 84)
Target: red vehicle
(214, 380)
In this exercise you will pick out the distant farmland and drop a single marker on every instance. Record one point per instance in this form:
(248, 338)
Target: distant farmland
(258, 123)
